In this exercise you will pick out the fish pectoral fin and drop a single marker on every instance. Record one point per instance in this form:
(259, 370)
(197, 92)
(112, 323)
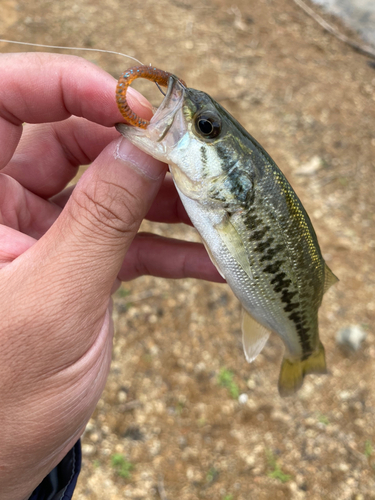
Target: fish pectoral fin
(232, 240)
(293, 372)
(329, 278)
(254, 336)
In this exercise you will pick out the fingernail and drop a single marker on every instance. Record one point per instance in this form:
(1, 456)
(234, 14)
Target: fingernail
(139, 160)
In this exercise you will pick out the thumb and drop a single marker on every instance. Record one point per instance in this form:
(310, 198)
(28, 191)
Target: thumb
(105, 211)
(78, 259)
(107, 207)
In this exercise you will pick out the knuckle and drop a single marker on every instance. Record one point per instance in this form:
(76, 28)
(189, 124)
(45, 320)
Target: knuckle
(141, 267)
(110, 208)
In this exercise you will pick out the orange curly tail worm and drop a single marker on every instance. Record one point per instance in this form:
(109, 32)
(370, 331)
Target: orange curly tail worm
(149, 73)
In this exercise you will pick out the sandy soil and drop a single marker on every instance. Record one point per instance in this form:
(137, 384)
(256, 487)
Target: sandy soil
(306, 97)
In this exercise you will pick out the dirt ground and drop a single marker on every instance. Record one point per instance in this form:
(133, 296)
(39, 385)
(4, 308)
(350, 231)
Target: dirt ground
(166, 427)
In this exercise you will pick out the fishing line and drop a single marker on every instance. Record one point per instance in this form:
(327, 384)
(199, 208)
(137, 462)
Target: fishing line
(29, 44)
(71, 48)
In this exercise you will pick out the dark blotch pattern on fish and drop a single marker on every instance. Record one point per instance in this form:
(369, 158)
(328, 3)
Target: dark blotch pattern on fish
(252, 222)
(228, 158)
(204, 160)
(263, 245)
(272, 252)
(259, 235)
(291, 306)
(287, 296)
(280, 282)
(302, 331)
(239, 181)
(204, 155)
(273, 268)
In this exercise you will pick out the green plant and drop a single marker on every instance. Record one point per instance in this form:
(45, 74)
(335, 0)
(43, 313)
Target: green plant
(147, 358)
(226, 380)
(323, 419)
(123, 292)
(368, 449)
(369, 454)
(228, 497)
(276, 472)
(201, 422)
(179, 407)
(212, 475)
(121, 465)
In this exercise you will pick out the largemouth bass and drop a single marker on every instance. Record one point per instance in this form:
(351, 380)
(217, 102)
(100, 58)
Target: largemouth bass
(252, 223)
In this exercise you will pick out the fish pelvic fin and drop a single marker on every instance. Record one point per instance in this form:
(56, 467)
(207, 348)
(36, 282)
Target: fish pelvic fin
(213, 260)
(254, 336)
(293, 372)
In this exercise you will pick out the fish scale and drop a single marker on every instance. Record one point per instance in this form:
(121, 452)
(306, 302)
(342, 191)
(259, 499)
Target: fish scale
(251, 221)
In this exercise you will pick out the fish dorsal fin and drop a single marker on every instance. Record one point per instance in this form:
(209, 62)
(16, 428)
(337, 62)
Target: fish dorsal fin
(232, 240)
(254, 336)
(329, 278)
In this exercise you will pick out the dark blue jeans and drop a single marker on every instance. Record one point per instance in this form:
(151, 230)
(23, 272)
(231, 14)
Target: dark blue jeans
(61, 481)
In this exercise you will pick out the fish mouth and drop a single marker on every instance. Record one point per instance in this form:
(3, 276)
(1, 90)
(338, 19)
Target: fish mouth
(169, 106)
(164, 117)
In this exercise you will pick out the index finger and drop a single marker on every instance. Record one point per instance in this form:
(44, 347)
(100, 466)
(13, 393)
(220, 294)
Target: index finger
(42, 87)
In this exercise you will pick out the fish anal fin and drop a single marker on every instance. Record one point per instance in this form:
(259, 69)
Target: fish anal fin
(254, 336)
(293, 372)
(329, 278)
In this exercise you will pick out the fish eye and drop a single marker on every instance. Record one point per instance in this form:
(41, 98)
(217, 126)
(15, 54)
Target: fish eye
(208, 125)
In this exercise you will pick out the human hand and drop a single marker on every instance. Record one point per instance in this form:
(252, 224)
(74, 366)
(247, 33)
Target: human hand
(62, 253)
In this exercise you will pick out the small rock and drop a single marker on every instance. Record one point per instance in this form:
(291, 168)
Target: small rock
(310, 167)
(251, 384)
(94, 437)
(343, 467)
(182, 442)
(250, 460)
(122, 396)
(152, 318)
(154, 447)
(243, 398)
(90, 426)
(279, 416)
(307, 390)
(200, 367)
(344, 395)
(194, 474)
(88, 450)
(351, 337)
(359, 422)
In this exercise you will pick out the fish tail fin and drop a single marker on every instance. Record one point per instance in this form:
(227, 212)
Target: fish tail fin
(293, 372)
